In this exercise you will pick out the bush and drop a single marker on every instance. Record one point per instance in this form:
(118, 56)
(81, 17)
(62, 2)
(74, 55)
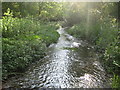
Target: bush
(77, 31)
(116, 81)
(105, 37)
(25, 41)
(112, 56)
(19, 54)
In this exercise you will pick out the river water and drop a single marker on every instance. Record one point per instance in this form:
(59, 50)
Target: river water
(70, 63)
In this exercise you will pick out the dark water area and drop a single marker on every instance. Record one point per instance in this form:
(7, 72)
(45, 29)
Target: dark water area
(70, 63)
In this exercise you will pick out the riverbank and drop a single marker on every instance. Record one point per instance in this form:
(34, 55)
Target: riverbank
(24, 41)
(107, 47)
(70, 63)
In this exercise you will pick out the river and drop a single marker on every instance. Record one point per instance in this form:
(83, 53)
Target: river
(70, 63)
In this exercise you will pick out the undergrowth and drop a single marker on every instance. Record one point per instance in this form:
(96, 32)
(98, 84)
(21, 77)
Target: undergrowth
(24, 41)
(105, 37)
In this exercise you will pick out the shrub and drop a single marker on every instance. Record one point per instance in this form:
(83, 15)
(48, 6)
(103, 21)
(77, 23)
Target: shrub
(116, 81)
(24, 41)
(105, 37)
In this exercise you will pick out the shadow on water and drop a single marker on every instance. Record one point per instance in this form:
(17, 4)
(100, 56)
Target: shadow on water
(69, 64)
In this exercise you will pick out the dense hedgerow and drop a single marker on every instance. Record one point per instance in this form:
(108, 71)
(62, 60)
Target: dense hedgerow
(24, 41)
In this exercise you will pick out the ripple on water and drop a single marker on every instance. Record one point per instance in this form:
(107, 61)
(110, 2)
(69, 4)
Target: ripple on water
(65, 68)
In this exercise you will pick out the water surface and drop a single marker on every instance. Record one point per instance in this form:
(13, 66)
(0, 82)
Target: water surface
(70, 63)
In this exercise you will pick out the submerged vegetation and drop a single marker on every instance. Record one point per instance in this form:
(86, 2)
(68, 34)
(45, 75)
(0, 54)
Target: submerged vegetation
(29, 28)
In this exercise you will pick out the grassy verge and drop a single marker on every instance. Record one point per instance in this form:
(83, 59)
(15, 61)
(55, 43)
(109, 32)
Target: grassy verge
(24, 41)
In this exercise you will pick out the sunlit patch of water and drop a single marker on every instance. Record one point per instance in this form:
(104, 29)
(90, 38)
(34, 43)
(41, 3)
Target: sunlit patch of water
(63, 67)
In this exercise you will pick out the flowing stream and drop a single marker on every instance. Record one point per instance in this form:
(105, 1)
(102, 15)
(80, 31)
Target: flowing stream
(70, 63)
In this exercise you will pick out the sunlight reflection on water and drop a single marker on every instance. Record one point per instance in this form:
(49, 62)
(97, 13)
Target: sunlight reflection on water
(65, 68)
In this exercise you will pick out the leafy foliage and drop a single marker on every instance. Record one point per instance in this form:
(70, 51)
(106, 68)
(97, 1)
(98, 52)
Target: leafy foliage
(28, 29)
(51, 11)
(24, 41)
(116, 81)
(100, 28)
